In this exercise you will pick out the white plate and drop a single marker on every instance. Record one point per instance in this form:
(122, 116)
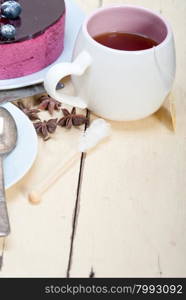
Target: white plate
(20, 160)
(74, 20)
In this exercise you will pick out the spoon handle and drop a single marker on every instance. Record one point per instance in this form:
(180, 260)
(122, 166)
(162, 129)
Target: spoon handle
(4, 220)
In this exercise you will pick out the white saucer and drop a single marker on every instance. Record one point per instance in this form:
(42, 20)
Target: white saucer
(74, 20)
(20, 160)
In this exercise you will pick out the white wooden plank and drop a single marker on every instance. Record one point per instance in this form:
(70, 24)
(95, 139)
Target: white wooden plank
(89, 5)
(132, 217)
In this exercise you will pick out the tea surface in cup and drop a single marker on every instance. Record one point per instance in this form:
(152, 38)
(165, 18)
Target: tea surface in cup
(125, 41)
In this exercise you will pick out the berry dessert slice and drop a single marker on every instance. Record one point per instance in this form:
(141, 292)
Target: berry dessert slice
(31, 35)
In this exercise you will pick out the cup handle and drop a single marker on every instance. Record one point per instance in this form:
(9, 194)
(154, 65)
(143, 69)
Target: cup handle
(61, 70)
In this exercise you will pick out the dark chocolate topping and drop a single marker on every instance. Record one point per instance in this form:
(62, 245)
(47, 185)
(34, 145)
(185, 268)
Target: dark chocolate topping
(36, 17)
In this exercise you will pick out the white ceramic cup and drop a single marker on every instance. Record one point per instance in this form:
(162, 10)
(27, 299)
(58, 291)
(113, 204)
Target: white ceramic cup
(116, 84)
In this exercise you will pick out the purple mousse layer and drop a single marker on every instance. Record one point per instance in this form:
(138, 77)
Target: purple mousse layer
(32, 55)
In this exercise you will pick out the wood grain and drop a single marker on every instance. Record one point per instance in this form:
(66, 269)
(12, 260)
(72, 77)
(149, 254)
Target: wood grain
(89, 5)
(132, 217)
(131, 214)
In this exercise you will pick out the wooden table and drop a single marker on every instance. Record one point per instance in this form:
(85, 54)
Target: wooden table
(130, 208)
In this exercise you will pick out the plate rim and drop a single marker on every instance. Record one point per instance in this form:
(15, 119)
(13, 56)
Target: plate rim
(34, 138)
